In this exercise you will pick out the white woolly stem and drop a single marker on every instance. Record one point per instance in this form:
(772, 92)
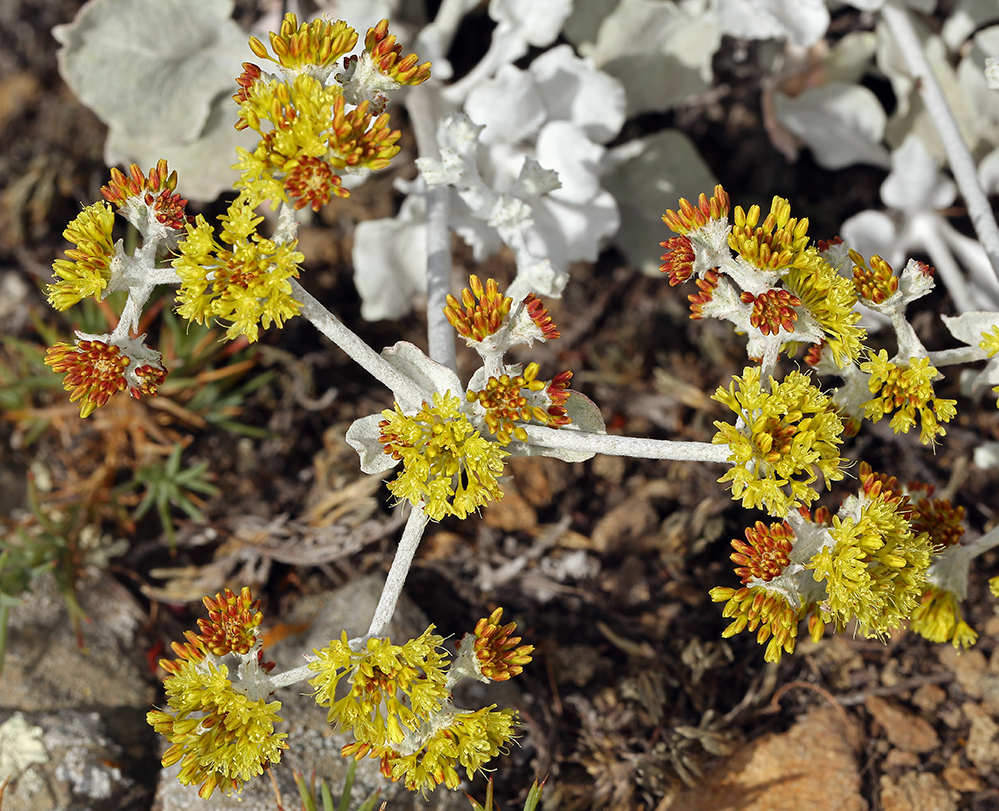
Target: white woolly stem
(637, 447)
(411, 536)
(990, 540)
(899, 22)
(289, 677)
(323, 320)
(924, 227)
(951, 357)
(128, 321)
(440, 334)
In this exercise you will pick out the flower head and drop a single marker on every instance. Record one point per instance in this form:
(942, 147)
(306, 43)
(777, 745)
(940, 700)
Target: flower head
(466, 739)
(827, 306)
(232, 622)
(308, 135)
(505, 402)
(938, 618)
(495, 652)
(785, 436)
(773, 310)
(935, 516)
(874, 566)
(219, 723)
(538, 313)
(481, 311)
(86, 270)
(246, 283)
(293, 161)
(692, 218)
(316, 44)
(147, 199)
(447, 464)
(759, 609)
(766, 552)
(678, 259)
(398, 703)
(96, 369)
(393, 688)
(876, 283)
(386, 54)
(907, 391)
(359, 139)
(778, 243)
(379, 70)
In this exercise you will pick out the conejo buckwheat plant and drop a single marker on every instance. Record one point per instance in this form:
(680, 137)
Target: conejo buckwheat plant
(888, 555)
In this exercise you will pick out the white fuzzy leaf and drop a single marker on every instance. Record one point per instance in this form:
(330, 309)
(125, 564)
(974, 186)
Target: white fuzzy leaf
(362, 436)
(647, 177)
(564, 148)
(842, 124)
(390, 261)
(429, 376)
(968, 328)
(537, 23)
(915, 183)
(657, 51)
(152, 67)
(801, 22)
(574, 90)
(508, 107)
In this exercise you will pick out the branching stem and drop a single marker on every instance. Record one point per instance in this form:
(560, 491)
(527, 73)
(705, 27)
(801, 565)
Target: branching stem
(637, 447)
(897, 18)
(404, 390)
(411, 536)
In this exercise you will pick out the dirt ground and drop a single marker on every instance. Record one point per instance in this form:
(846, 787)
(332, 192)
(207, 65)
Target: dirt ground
(605, 565)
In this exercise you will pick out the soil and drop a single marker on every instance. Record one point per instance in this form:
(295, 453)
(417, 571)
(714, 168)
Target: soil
(606, 565)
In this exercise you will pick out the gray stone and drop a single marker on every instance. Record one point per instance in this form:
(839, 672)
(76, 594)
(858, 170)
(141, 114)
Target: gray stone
(84, 706)
(68, 762)
(61, 673)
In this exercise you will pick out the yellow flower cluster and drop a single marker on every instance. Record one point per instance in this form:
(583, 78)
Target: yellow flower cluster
(398, 704)
(95, 370)
(766, 612)
(447, 464)
(308, 137)
(874, 572)
(86, 270)
(786, 287)
(785, 435)
(778, 243)
(938, 618)
(876, 283)
(469, 740)
(481, 311)
(318, 43)
(906, 390)
(829, 299)
(380, 677)
(220, 731)
(244, 281)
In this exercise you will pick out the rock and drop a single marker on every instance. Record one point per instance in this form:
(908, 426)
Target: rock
(63, 674)
(982, 747)
(904, 729)
(67, 761)
(783, 772)
(917, 792)
(84, 705)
